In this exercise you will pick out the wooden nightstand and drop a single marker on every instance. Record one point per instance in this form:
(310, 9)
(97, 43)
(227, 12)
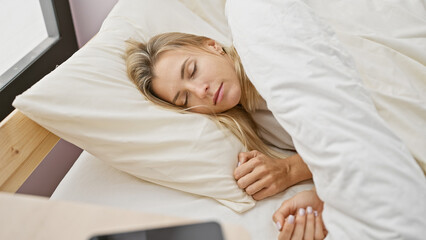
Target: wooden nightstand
(38, 218)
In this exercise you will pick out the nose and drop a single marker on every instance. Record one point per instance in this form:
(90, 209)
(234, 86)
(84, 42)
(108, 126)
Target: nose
(199, 89)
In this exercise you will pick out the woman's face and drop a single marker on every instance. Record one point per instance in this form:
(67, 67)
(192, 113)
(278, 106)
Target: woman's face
(191, 78)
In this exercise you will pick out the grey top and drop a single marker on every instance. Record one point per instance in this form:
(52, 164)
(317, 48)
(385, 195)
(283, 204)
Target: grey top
(270, 130)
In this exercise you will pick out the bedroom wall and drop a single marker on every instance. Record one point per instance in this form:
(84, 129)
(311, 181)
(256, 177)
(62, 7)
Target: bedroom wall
(88, 16)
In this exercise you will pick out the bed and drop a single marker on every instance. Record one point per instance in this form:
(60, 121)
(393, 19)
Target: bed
(389, 60)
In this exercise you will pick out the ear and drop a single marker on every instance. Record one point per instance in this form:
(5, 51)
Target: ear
(213, 45)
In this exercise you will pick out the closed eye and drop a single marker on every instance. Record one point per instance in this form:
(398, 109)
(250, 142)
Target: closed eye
(195, 69)
(185, 104)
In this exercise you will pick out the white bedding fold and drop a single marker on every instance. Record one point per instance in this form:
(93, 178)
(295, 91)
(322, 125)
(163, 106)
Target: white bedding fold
(387, 39)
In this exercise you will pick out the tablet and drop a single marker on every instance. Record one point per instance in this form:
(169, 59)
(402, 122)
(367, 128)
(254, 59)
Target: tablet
(198, 231)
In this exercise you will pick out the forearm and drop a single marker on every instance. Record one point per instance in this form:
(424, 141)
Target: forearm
(297, 169)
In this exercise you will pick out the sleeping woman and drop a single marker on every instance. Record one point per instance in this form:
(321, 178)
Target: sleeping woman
(195, 74)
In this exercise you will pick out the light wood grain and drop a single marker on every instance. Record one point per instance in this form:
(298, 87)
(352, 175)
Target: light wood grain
(37, 218)
(23, 145)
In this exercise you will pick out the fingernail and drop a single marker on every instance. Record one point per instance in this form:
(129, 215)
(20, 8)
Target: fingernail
(309, 210)
(316, 213)
(239, 163)
(290, 219)
(278, 225)
(301, 212)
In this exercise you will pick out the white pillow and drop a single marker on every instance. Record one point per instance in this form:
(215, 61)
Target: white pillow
(371, 185)
(90, 102)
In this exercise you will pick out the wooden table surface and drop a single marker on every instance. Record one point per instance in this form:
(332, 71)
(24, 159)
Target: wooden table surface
(38, 218)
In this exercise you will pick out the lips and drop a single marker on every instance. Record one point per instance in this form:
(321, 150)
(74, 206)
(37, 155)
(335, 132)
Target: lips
(216, 95)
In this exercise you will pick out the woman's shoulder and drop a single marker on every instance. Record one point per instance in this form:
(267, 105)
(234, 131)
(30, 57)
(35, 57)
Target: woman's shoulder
(270, 129)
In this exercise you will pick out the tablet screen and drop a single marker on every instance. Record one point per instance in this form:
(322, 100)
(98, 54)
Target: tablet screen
(199, 231)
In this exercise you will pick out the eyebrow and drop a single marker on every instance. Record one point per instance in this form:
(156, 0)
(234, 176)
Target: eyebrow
(182, 72)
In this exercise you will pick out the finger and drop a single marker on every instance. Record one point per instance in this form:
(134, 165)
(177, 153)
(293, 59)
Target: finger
(266, 189)
(245, 156)
(319, 227)
(256, 185)
(250, 179)
(245, 169)
(280, 214)
(299, 227)
(287, 229)
(285, 210)
(254, 181)
(262, 194)
(310, 224)
(325, 232)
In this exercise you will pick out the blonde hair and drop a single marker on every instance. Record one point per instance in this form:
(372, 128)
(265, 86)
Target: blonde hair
(141, 58)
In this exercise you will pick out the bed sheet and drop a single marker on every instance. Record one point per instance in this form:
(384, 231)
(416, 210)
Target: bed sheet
(90, 180)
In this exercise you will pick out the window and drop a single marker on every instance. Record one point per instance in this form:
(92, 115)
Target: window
(37, 35)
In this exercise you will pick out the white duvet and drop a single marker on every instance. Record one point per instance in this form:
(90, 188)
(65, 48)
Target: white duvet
(371, 184)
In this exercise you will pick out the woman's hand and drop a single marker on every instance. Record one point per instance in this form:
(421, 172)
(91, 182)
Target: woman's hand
(305, 222)
(262, 176)
(307, 225)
